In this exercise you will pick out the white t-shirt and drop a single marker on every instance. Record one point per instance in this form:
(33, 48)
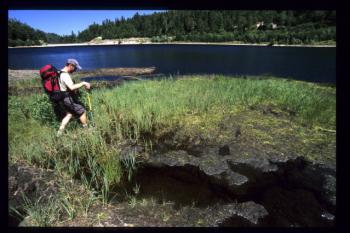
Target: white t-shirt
(64, 80)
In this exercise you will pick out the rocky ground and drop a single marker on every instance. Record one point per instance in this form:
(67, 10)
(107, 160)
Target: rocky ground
(30, 74)
(30, 181)
(253, 169)
(123, 74)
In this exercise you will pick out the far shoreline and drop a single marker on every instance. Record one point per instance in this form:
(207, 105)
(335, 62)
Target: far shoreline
(113, 42)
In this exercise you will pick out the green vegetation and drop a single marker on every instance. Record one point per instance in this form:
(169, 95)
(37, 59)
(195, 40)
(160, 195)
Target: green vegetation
(288, 27)
(142, 111)
(273, 27)
(21, 34)
(142, 108)
(147, 105)
(71, 201)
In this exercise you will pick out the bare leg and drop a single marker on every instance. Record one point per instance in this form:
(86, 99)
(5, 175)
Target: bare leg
(83, 119)
(64, 122)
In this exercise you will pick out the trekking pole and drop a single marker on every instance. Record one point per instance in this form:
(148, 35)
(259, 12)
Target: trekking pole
(90, 109)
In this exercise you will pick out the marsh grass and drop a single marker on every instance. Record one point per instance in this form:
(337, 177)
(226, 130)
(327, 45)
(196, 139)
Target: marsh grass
(140, 110)
(31, 82)
(39, 212)
(71, 200)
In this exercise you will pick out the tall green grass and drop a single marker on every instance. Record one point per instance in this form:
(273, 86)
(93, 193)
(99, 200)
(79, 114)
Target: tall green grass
(142, 108)
(83, 154)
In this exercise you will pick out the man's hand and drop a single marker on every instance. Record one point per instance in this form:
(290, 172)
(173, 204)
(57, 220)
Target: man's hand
(87, 85)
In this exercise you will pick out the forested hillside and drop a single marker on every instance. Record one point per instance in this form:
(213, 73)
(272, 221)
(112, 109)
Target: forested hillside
(287, 27)
(21, 34)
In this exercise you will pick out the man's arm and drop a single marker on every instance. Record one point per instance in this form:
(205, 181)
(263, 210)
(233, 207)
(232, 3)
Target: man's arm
(69, 83)
(73, 87)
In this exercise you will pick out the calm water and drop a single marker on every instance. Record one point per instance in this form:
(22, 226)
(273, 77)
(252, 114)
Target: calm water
(309, 64)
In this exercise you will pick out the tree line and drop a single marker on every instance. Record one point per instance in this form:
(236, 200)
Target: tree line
(288, 27)
(21, 34)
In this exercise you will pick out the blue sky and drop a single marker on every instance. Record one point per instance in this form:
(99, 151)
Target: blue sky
(63, 22)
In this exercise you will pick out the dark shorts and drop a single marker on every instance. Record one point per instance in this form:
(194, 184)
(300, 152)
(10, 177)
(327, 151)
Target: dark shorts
(72, 107)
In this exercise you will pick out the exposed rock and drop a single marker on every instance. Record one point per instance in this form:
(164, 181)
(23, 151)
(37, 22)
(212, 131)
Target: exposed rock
(294, 206)
(178, 158)
(218, 214)
(318, 179)
(260, 164)
(210, 189)
(211, 166)
(224, 150)
(29, 181)
(226, 178)
(237, 177)
(329, 188)
(248, 210)
(219, 169)
(131, 151)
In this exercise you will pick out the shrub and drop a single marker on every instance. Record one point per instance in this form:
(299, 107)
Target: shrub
(42, 110)
(48, 113)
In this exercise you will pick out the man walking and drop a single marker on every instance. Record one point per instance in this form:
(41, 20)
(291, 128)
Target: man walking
(67, 87)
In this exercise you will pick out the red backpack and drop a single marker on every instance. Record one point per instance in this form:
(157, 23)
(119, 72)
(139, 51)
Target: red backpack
(50, 78)
(50, 75)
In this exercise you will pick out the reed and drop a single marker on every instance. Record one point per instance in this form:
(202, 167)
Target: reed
(139, 110)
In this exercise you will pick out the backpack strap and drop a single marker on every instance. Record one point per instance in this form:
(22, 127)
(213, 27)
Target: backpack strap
(57, 95)
(63, 93)
(59, 76)
(59, 72)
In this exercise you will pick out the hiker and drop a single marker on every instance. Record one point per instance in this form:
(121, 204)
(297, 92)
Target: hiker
(67, 87)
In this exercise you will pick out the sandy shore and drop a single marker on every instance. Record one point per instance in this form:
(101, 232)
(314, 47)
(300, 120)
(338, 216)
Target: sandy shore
(141, 41)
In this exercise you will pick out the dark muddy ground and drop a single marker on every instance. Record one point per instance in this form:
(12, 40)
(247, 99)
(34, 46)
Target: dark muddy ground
(253, 168)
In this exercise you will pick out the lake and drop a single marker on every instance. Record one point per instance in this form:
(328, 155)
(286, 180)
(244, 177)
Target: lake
(302, 63)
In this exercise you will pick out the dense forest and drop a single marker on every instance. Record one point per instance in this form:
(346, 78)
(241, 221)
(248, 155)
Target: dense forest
(281, 27)
(21, 34)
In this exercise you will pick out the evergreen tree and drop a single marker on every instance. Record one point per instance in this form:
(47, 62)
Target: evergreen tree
(201, 25)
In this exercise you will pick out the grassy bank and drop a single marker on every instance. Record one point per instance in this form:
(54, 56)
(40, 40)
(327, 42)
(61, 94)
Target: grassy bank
(143, 111)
